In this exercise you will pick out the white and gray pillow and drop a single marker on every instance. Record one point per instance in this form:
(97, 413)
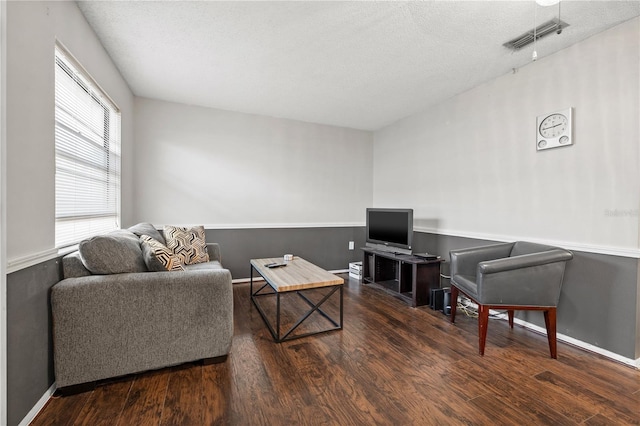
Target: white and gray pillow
(187, 243)
(159, 257)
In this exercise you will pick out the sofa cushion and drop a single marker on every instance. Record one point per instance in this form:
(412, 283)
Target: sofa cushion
(114, 253)
(188, 243)
(158, 257)
(73, 267)
(213, 264)
(144, 228)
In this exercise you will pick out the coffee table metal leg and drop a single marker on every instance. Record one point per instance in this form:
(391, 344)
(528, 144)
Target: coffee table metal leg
(341, 310)
(257, 293)
(254, 299)
(263, 314)
(278, 317)
(315, 307)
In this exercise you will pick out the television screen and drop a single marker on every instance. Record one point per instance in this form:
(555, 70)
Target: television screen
(390, 227)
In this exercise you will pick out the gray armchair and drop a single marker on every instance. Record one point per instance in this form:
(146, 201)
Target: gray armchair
(510, 276)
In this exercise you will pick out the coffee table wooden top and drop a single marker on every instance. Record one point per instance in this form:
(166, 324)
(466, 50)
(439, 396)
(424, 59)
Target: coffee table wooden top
(297, 275)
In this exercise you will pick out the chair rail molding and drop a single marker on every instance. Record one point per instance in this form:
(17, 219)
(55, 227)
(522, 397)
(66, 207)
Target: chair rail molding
(22, 262)
(274, 225)
(570, 245)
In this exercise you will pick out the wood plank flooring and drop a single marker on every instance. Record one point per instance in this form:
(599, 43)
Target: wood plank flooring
(390, 365)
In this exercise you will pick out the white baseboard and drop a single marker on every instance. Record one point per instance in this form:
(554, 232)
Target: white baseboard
(39, 406)
(564, 338)
(582, 345)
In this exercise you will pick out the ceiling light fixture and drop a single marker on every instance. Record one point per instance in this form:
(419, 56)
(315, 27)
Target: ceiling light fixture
(544, 3)
(542, 30)
(555, 25)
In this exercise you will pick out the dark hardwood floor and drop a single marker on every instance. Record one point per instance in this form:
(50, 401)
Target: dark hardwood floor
(390, 365)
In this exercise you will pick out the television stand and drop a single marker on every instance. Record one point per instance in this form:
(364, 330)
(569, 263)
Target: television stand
(406, 276)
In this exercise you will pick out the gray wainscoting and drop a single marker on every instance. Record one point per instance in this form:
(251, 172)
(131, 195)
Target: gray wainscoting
(325, 247)
(599, 300)
(29, 340)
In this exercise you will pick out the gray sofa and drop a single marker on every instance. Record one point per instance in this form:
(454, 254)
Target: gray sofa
(128, 319)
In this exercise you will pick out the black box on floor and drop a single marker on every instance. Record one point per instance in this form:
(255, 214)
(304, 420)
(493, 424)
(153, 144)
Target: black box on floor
(446, 302)
(436, 299)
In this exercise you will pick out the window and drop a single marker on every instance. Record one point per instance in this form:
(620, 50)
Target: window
(87, 139)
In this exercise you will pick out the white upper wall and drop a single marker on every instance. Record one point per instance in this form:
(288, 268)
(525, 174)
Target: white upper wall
(198, 165)
(32, 30)
(469, 166)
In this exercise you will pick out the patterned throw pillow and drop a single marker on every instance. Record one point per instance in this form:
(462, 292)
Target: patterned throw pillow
(187, 243)
(158, 257)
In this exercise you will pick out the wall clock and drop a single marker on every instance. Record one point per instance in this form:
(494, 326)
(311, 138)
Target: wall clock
(554, 130)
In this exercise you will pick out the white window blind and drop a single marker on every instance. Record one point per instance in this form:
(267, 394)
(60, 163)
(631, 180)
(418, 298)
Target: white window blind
(87, 138)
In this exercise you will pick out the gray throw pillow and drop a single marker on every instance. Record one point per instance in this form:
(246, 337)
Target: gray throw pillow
(144, 228)
(114, 253)
(72, 266)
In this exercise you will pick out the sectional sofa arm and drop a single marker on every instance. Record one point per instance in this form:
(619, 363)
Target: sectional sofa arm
(523, 261)
(465, 261)
(214, 252)
(112, 325)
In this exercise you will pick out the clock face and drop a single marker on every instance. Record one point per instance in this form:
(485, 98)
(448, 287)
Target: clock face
(553, 126)
(554, 129)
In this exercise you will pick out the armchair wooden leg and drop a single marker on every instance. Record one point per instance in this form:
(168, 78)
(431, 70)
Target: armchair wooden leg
(483, 322)
(510, 314)
(550, 322)
(454, 302)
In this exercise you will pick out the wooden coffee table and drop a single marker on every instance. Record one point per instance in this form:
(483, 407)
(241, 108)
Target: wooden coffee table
(297, 276)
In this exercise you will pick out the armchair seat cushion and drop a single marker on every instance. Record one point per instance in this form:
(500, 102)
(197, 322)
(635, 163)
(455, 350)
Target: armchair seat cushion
(467, 284)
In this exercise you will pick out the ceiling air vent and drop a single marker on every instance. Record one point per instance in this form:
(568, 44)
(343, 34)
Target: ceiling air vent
(542, 30)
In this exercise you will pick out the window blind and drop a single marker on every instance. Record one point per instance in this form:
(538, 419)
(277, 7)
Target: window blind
(87, 154)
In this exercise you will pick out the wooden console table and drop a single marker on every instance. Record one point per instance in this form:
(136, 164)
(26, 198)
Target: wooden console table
(409, 277)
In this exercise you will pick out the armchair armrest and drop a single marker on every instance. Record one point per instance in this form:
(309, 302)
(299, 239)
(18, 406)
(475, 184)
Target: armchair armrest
(465, 261)
(529, 279)
(523, 261)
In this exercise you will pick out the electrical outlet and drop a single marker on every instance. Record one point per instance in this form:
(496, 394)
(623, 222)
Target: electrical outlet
(351, 245)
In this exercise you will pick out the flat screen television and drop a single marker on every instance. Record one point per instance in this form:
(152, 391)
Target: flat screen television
(390, 229)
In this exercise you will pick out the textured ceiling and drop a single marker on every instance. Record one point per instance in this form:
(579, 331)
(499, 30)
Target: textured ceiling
(355, 64)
